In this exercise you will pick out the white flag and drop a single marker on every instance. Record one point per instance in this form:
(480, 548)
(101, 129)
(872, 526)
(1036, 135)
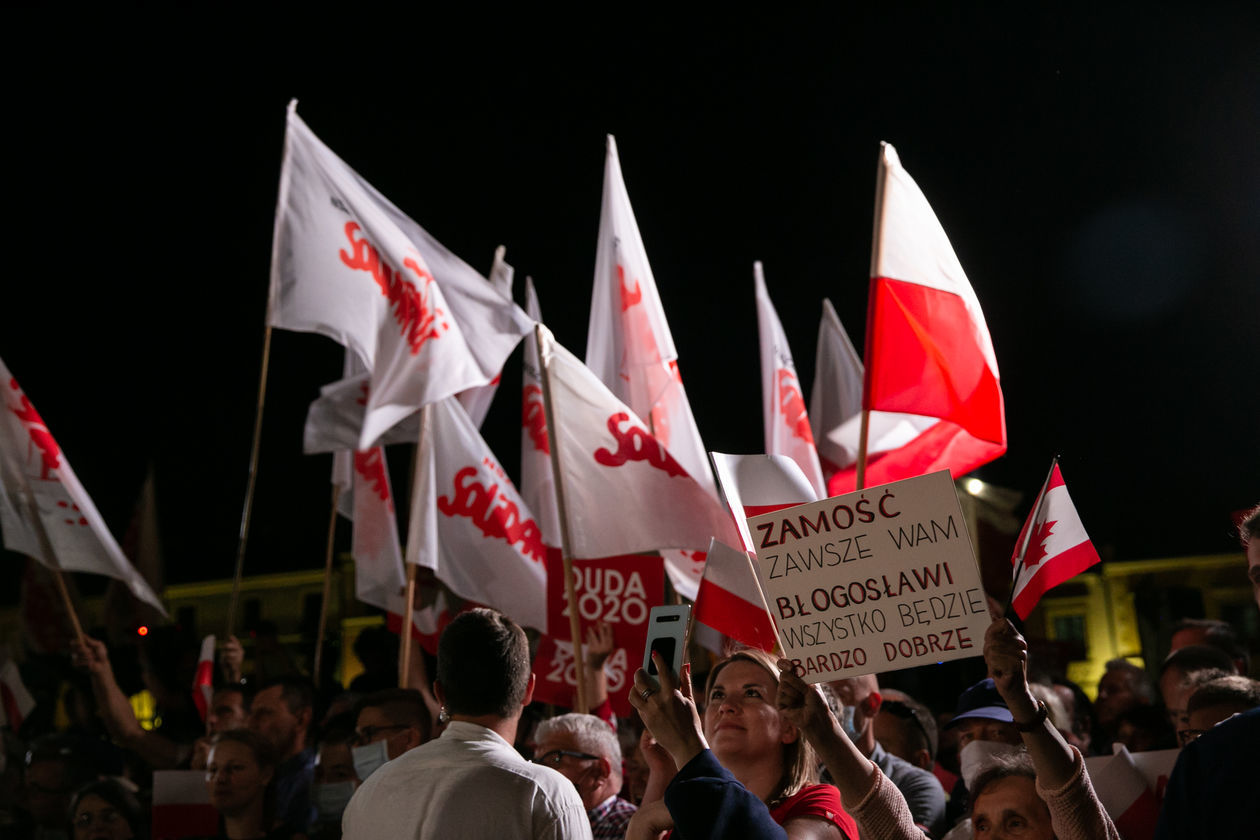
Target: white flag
(348, 264)
(786, 424)
(629, 346)
(757, 484)
(468, 523)
(624, 491)
(538, 486)
(837, 392)
(476, 401)
(44, 512)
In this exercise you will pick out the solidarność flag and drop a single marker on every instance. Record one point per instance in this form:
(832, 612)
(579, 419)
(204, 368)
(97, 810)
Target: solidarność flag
(786, 424)
(930, 366)
(1052, 548)
(350, 265)
(624, 491)
(44, 511)
(538, 486)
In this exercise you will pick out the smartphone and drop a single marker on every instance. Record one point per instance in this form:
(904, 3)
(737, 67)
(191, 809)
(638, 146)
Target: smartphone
(666, 635)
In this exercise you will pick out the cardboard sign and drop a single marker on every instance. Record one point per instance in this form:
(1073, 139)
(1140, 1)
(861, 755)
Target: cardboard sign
(618, 590)
(872, 581)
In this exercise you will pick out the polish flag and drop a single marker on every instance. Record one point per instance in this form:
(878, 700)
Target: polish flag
(929, 358)
(730, 600)
(1124, 793)
(538, 486)
(837, 392)
(350, 265)
(44, 512)
(476, 401)
(469, 525)
(629, 345)
(786, 425)
(625, 492)
(15, 701)
(203, 678)
(1052, 547)
(757, 484)
(181, 805)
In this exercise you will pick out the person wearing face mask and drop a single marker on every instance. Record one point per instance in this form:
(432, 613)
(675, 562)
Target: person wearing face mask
(388, 723)
(859, 702)
(1054, 800)
(335, 780)
(985, 730)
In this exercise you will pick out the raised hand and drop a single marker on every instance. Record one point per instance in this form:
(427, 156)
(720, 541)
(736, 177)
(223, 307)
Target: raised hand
(1006, 654)
(599, 644)
(801, 704)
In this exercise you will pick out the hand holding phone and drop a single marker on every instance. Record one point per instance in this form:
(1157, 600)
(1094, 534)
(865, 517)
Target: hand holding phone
(666, 635)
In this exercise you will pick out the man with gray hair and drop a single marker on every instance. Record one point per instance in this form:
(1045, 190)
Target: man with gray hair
(585, 749)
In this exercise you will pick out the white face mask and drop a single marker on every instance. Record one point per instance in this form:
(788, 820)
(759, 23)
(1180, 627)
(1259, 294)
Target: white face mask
(847, 722)
(369, 758)
(977, 755)
(331, 799)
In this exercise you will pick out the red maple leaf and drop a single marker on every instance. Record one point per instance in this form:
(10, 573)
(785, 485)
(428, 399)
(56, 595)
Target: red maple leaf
(1036, 551)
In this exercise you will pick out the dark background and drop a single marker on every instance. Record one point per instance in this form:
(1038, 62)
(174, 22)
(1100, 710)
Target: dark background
(1096, 172)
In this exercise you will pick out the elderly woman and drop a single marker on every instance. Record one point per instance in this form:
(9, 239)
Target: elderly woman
(1042, 794)
(744, 772)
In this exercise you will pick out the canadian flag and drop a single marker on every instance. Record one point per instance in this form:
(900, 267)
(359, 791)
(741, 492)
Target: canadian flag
(629, 345)
(469, 525)
(730, 600)
(787, 429)
(44, 512)
(538, 486)
(203, 678)
(929, 359)
(837, 392)
(348, 264)
(15, 701)
(624, 490)
(757, 484)
(476, 401)
(1052, 547)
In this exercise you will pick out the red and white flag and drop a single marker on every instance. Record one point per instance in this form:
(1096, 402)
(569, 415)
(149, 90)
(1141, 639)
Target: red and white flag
(629, 345)
(350, 265)
(15, 701)
(44, 512)
(476, 401)
(469, 525)
(625, 492)
(1052, 548)
(1125, 793)
(730, 600)
(786, 425)
(203, 678)
(837, 392)
(538, 486)
(757, 484)
(929, 357)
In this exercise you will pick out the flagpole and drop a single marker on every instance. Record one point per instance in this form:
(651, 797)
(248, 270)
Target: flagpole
(404, 652)
(861, 461)
(252, 481)
(566, 554)
(877, 248)
(323, 607)
(410, 555)
(46, 546)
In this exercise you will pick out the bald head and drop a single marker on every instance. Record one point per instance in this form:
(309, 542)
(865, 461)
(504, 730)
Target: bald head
(861, 694)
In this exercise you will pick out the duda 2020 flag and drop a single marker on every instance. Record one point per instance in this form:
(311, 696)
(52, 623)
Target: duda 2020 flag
(44, 511)
(1052, 548)
(930, 368)
(350, 265)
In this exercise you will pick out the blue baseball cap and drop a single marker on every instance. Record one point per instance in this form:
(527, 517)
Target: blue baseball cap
(981, 701)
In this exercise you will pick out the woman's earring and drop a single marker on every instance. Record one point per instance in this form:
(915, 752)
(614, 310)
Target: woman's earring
(444, 717)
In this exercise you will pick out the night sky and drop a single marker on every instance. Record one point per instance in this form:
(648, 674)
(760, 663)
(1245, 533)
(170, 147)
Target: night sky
(1099, 177)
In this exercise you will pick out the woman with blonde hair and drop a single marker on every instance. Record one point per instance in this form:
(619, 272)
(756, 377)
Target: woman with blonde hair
(744, 771)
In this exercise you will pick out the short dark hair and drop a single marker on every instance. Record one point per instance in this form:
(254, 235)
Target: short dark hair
(298, 692)
(1196, 658)
(483, 664)
(263, 752)
(1231, 690)
(119, 797)
(403, 706)
(1249, 528)
(916, 721)
(1141, 681)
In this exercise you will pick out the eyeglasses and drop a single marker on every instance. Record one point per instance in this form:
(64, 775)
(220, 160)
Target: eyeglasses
(368, 734)
(553, 758)
(901, 710)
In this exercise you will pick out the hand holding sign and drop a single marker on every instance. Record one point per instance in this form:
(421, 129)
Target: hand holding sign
(801, 704)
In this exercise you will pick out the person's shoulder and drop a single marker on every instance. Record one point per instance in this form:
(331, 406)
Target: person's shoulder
(821, 801)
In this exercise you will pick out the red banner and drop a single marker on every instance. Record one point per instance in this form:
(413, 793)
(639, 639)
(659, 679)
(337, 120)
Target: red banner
(620, 591)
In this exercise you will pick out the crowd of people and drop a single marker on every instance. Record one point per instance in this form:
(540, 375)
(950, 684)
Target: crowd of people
(756, 752)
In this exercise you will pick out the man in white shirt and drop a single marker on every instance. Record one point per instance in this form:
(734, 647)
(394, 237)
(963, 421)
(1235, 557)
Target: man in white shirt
(470, 783)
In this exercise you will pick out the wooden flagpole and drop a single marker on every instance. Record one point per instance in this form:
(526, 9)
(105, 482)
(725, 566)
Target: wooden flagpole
(566, 553)
(323, 606)
(410, 556)
(1027, 534)
(251, 482)
(877, 247)
(46, 546)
